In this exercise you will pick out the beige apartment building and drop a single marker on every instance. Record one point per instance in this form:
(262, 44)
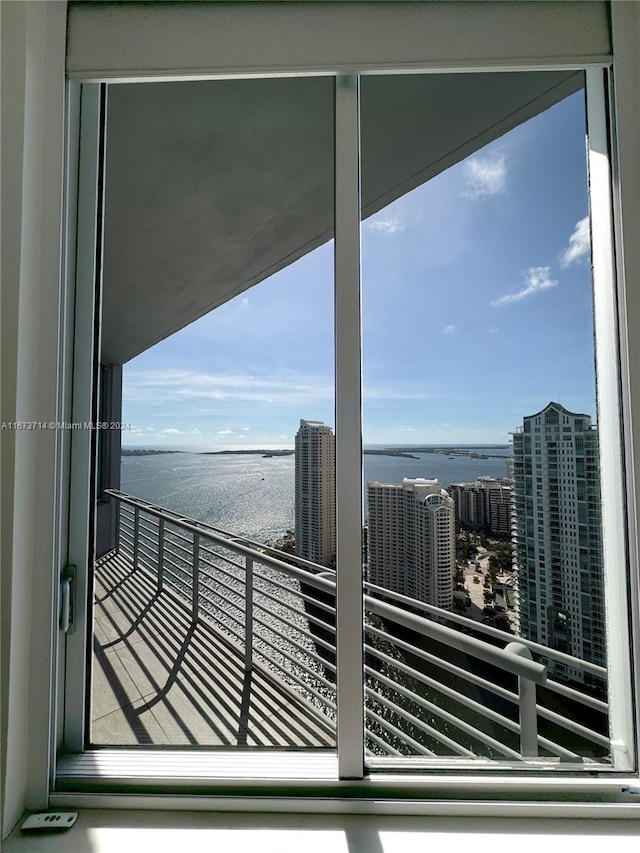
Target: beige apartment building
(411, 539)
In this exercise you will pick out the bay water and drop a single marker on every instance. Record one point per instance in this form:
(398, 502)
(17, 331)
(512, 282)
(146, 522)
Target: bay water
(251, 495)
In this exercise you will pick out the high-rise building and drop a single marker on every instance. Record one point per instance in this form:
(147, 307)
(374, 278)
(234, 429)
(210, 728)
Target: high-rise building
(411, 539)
(557, 535)
(315, 497)
(485, 503)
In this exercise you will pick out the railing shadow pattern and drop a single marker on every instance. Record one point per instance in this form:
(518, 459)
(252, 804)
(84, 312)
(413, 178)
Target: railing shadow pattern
(159, 678)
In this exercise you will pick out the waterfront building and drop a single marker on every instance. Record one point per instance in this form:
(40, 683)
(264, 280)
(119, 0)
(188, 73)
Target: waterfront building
(485, 503)
(315, 492)
(411, 539)
(557, 536)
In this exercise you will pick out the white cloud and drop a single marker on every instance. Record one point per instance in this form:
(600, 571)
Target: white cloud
(537, 279)
(387, 223)
(225, 432)
(173, 385)
(484, 177)
(449, 330)
(493, 330)
(170, 431)
(579, 244)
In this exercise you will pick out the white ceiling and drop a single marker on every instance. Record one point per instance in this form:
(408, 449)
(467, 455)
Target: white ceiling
(212, 186)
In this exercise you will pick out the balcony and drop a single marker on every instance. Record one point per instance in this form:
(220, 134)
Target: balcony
(203, 638)
(161, 678)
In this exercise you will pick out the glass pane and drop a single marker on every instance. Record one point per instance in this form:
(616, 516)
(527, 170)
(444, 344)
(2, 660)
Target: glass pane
(212, 626)
(483, 558)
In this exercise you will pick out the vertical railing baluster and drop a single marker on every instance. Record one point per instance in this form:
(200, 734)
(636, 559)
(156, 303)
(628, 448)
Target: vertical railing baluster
(248, 614)
(195, 589)
(527, 706)
(528, 718)
(136, 535)
(160, 554)
(118, 506)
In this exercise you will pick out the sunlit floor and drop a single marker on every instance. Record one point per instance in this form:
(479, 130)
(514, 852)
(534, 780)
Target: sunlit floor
(111, 831)
(160, 679)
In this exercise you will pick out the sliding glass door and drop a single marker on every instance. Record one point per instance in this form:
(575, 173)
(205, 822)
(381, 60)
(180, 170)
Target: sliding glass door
(349, 495)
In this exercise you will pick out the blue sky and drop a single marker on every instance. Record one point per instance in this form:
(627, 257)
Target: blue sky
(476, 311)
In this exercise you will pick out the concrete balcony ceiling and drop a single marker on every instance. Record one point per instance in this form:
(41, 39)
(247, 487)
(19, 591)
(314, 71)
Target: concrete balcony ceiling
(213, 186)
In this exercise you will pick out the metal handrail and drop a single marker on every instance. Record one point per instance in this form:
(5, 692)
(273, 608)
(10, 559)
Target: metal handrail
(224, 537)
(462, 642)
(489, 630)
(141, 536)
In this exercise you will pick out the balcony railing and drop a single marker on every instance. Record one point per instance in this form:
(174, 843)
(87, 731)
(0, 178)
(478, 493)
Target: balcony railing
(437, 684)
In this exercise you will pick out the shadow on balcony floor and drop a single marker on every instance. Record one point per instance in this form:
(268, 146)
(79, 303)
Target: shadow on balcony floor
(160, 679)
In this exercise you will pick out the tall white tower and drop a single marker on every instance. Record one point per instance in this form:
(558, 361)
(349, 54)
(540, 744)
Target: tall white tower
(557, 536)
(316, 493)
(411, 539)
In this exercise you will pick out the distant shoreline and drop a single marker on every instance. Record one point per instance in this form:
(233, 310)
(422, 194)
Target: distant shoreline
(403, 454)
(407, 452)
(146, 452)
(264, 453)
(458, 451)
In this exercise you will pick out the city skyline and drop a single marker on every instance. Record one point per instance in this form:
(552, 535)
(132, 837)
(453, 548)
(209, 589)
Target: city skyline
(489, 256)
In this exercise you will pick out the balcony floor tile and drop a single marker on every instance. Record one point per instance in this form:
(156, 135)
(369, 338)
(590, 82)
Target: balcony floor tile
(159, 678)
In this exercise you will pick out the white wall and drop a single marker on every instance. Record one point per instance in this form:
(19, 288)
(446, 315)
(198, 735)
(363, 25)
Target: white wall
(33, 43)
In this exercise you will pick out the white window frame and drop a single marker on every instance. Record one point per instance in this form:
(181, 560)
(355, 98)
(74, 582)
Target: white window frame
(122, 29)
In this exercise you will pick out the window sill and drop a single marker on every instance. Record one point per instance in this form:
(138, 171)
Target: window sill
(302, 782)
(110, 831)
